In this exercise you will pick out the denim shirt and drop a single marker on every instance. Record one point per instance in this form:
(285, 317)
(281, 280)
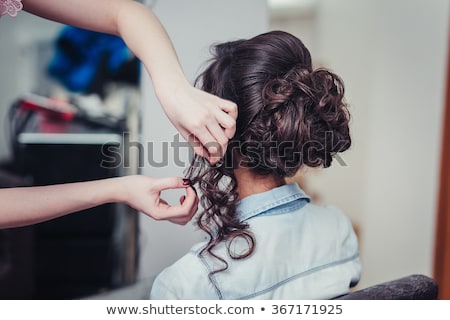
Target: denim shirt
(303, 251)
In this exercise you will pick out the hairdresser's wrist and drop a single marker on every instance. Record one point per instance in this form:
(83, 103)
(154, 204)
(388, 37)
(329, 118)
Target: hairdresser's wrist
(168, 89)
(120, 190)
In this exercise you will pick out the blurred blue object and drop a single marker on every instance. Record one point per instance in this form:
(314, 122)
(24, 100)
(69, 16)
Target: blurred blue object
(83, 57)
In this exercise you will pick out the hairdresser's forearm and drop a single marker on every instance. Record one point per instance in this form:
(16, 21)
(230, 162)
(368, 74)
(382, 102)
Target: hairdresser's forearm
(149, 41)
(96, 15)
(29, 205)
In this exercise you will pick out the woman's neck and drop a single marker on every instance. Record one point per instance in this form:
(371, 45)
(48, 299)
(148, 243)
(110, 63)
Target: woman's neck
(250, 183)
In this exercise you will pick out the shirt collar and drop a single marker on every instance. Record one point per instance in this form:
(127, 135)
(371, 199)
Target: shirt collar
(258, 203)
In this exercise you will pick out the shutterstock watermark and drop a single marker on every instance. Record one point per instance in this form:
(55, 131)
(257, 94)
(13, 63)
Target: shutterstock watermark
(179, 153)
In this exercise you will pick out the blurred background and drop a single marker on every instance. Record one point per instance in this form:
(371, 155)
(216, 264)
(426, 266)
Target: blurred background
(393, 58)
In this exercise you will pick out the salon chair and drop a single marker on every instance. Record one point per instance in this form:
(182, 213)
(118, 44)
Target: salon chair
(411, 287)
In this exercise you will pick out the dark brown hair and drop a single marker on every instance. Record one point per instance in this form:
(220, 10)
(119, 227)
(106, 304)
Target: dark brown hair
(289, 116)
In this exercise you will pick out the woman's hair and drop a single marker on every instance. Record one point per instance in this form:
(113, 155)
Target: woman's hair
(289, 115)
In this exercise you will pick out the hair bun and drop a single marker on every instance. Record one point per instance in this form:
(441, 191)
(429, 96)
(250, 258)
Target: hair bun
(295, 83)
(307, 109)
(330, 103)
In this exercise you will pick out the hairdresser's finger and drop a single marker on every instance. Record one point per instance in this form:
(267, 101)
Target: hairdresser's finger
(184, 212)
(178, 214)
(227, 116)
(219, 135)
(183, 220)
(211, 145)
(192, 207)
(197, 145)
(190, 198)
(221, 142)
(227, 123)
(179, 210)
(194, 142)
(161, 184)
(207, 140)
(229, 107)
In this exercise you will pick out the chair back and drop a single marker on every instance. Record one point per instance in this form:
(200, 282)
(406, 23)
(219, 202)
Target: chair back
(412, 287)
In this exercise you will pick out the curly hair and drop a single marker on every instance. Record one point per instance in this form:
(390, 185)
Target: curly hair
(289, 116)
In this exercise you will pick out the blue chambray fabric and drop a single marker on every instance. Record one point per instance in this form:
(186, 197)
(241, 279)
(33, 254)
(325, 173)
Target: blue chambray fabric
(303, 251)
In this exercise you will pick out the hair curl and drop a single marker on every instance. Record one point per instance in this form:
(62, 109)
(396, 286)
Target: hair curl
(289, 116)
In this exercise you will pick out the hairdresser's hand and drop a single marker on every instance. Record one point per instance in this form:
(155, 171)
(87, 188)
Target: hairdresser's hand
(144, 194)
(206, 121)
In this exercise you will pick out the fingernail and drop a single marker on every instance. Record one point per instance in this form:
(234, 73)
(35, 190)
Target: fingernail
(187, 182)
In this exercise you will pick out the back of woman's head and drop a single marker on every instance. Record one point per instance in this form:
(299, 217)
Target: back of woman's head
(289, 115)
